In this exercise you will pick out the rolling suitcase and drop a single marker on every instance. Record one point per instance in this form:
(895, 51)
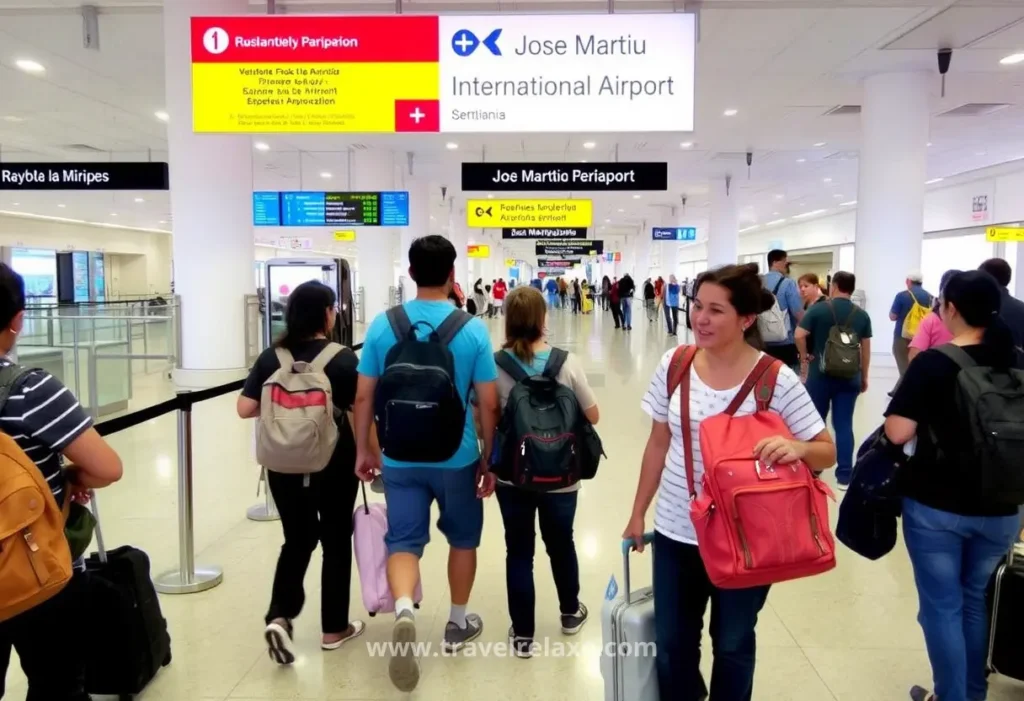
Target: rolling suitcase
(627, 623)
(130, 642)
(369, 526)
(1006, 608)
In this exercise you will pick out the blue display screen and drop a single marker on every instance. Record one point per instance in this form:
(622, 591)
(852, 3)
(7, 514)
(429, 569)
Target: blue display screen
(330, 208)
(674, 233)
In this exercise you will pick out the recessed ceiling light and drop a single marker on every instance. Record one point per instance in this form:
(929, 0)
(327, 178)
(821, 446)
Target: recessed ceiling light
(838, 196)
(13, 118)
(731, 112)
(589, 144)
(1012, 59)
(929, 143)
(139, 200)
(451, 146)
(326, 175)
(29, 66)
(686, 144)
(749, 228)
(607, 221)
(62, 206)
(801, 160)
(636, 197)
(622, 210)
(819, 144)
(826, 180)
(113, 214)
(490, 197)
(933, 181)
(583, 160)
(980, 153)
(162, 221)
(775, 221)
(848, 204)
(162, 116)
(261, 146)
(16, 204)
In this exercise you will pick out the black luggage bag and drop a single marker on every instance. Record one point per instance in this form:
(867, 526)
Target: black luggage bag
(1006, 611)
(131, 640)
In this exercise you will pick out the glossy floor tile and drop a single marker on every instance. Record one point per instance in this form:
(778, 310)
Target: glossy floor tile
(850, 635)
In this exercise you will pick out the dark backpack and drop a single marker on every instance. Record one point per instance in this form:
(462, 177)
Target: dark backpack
(544, 440)
(419, 413)
(841, 357)
(990, 403)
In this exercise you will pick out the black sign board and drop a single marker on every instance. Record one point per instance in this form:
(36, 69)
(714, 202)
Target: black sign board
(528, 233)
(84, 176)
(553, 177)
(563, 249)
(558, 262)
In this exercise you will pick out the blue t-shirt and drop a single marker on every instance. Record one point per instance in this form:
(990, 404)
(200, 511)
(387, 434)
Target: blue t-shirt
(789, 300)
(903, 303)
(536, 367)
(474, 362)
(672, 298)
(551, 286)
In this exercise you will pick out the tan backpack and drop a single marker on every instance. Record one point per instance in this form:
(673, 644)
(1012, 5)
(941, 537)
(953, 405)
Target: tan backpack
(35, 560)
(296, 433)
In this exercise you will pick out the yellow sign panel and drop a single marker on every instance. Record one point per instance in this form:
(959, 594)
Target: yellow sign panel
(348, 235)
(529, 213)
(479, 251)
(510, 262)
(1004, 233)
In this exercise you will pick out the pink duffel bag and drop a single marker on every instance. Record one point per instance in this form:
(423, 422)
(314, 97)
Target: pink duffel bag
(369, 526)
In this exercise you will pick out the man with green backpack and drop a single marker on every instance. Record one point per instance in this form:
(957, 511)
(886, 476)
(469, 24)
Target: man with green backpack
(835, 369)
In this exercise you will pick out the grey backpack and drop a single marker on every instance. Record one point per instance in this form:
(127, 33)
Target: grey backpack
(296, 432)
(841, 357)
(774, 323)
(990, 402)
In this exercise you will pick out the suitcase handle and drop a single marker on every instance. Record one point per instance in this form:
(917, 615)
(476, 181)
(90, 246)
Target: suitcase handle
(628, 546)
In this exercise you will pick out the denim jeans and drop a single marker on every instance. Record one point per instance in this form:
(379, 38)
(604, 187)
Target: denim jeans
(672, 318)
(953, 558)
(627, 311)
(841, 396)
(681, 594)
(557, 512)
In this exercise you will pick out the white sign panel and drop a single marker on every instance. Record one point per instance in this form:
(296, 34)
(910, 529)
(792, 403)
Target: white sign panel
(567, 73)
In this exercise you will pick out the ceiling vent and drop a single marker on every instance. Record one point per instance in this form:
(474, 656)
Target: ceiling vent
(974, 109)
(731, 156)
(81, 148)
(840, 110)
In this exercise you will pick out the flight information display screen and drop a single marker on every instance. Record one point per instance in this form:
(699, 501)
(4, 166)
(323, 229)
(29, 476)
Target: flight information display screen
(331, 208)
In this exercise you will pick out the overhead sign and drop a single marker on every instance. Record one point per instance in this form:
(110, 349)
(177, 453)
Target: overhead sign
(478, 251)
(348, 235)
(1004, 233)
(562, 249)
(558, 263)
(546, 213)
(301, 208)
(510, 262)
(526, 177)
(282, 73)
(554, 270)
(613, 257)
(84, 176)
(567, 73)
(543, 233)
(674, 233)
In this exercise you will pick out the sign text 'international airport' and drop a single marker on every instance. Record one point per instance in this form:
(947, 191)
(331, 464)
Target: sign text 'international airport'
(545, 213)
(565, 249)
(526, 177)
(84, 176)
(330, 208)
(455, 73)
(674, 233)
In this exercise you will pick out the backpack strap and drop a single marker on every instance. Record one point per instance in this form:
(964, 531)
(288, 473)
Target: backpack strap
(762, 378)
(452, 324)
(511, 366)
(555, 362)
(400, 324)
(679, 378)
(775, 292)
(325, 356)
(958, 355)
(285, 358)
(9, 377)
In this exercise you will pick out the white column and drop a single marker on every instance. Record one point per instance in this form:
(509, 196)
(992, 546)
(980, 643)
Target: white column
(670, 249)
(642, 255)
(890, 190)
(458, 234)
(419, 226)
(723, 232)
(211, 209)
(374, 171)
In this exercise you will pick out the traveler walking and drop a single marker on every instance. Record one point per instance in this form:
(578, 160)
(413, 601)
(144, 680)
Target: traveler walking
(615, 301)
(574, 294)
(672, 305)
(649, 300)
(957, 527)
(913, 299)
(1012, 309)
(606, 286)
(728, 300)
(480, 297)
(44, 424)
(586, 298)
(418, 364)
(777, 282)
(626, 290)
(500, 290)
(551, 287)
(838, 334)
(932, 332)
(563, 292)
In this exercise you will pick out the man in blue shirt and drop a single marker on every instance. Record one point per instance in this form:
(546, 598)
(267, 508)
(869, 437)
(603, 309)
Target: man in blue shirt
(901, 306)
(788, 294)
(457, 484)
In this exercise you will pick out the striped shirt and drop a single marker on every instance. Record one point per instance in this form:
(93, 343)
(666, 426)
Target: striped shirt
(790, 401)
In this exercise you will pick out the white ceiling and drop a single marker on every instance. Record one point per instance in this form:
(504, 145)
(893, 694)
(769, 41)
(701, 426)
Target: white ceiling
(783, 64)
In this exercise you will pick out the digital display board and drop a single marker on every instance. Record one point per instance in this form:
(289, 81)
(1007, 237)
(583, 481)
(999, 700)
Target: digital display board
(330, 208)
(674, 233)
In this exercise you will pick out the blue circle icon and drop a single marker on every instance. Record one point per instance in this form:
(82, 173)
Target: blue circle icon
(464, 42)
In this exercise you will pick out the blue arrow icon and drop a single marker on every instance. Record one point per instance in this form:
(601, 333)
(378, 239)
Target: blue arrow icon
(465, 42)
(491, 42)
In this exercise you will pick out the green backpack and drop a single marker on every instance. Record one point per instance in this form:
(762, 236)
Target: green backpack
(841, 358)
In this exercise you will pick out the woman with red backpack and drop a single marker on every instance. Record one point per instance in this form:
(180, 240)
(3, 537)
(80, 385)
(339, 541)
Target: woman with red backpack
(746, 416)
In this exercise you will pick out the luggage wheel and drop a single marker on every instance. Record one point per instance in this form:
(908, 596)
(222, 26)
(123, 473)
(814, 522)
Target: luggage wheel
(373, 614)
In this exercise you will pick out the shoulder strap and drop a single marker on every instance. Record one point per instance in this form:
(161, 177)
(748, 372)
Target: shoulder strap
(679, 378)
(285, 358)
(555, 362)
(510, 365)
(958, 355)
(778, 285)
(452, 324)
(400, 324)
(326, 356)
(9, 377)
(763, 377)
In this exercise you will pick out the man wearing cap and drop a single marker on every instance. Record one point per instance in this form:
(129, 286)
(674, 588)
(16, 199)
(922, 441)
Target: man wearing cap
(901, 306)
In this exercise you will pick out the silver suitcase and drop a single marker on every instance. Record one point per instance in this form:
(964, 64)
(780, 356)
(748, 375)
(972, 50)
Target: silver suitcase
(628, 663)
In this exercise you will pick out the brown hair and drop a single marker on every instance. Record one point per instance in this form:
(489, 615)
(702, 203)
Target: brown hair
(525, 310)
(746, 294)
(810, 279)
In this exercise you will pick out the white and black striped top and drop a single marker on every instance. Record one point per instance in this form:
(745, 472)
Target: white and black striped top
(790, 401)
(43, 417)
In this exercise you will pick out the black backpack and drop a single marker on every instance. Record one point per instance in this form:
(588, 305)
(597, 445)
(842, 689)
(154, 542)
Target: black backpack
(544, 441)
(990, 402)
(419, 413)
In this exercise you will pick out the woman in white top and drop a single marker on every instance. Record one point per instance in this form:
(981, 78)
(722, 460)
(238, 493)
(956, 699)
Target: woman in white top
(724, 318)
(525, 316)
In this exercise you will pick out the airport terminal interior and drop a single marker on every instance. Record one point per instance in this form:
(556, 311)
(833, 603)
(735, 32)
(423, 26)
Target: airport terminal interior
(170, 170)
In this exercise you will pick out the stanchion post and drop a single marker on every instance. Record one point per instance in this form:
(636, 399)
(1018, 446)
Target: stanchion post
(187, 578)
(267, 511)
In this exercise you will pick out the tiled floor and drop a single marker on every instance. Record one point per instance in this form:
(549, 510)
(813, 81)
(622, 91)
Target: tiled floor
(850, 635)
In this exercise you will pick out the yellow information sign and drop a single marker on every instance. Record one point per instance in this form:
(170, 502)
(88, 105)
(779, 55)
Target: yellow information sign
(478, 251)
(529, 213)
(348, 235)
(1004, 233)
(510, 262)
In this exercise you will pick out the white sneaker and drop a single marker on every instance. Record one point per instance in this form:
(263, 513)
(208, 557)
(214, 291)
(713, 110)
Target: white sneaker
(404, 668)
(278, 635)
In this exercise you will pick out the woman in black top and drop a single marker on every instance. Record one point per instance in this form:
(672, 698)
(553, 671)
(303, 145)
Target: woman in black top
(314, 508)
(955, 536)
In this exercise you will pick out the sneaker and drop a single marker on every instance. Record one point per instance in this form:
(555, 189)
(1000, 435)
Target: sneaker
(278, 635)
(521, 647)
(355, 629)
(573, 622)
(842, 486)
(455, 637)
(919, 693)
(404, 668)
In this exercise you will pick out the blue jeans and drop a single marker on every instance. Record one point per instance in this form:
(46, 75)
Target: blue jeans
(953, 558)
(841, 395)
(681, 594)
(627, 311)
(520, 509)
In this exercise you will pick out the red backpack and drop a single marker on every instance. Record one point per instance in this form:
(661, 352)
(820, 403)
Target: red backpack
(755, 524)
